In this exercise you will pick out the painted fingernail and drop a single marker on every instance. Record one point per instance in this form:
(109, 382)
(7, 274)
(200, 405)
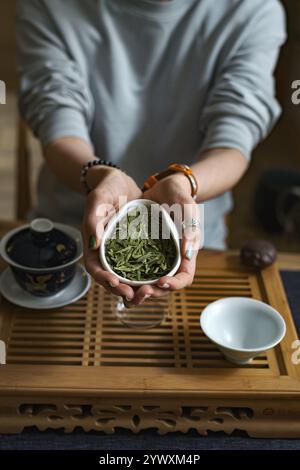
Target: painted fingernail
(92, 242)
(189, 253)
(165, 286)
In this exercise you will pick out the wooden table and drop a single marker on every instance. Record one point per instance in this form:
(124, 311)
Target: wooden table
(78, 366)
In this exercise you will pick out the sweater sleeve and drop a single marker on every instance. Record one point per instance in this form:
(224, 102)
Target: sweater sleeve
(242, 108)
(54, 97)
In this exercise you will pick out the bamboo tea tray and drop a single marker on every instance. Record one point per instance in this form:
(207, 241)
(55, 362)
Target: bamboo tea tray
(78, 367)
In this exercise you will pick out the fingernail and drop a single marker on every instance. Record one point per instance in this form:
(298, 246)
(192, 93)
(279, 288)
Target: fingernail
(92, 242)
(189, 253)
(144, 298)
(129, 299)
(112, 284)
(165, 286)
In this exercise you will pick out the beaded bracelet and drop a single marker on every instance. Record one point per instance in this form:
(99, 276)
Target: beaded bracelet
(89, 165)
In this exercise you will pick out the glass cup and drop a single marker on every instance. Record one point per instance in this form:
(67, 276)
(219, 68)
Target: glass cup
(150, 314)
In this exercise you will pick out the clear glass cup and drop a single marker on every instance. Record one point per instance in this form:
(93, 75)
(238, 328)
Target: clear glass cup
(150, 314)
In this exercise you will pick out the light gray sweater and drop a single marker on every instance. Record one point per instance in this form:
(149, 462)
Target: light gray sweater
(148, 83)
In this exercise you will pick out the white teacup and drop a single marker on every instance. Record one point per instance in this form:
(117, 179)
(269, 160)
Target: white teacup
(111, 227)
(242, 328)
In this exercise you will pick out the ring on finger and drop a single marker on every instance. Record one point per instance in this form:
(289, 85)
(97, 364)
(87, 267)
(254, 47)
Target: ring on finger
(193, 222)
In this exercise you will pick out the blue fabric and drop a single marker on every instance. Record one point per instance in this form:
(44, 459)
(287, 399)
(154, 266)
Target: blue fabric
(32, 439)
(146, 440)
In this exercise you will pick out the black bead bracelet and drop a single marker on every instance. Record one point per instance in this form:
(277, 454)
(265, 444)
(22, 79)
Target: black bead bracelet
(89, 165)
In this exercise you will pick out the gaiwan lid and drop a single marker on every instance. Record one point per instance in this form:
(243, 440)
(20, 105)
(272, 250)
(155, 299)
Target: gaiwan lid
(41, 245)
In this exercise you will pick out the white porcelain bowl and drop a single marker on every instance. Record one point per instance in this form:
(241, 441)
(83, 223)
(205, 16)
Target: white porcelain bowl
(111, 226)
(242, 328)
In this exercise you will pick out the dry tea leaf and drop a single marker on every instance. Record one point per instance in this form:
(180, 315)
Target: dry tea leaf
(138, 257)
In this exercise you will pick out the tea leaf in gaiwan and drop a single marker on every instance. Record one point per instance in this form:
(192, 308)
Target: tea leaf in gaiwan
(137, 256)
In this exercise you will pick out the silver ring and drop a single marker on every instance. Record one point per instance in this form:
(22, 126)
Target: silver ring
(193, 222)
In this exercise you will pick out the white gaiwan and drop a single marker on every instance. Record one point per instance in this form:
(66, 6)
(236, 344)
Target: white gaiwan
(242, 327)
(111, 227)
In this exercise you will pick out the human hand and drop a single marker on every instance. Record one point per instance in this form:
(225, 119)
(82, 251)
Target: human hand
(108, 185)
(175, 190)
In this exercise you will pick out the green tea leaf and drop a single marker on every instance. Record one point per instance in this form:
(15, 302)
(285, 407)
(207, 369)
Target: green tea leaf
(137, 256)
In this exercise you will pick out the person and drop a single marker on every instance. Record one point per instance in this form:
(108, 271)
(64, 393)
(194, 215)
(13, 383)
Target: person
(143, 84)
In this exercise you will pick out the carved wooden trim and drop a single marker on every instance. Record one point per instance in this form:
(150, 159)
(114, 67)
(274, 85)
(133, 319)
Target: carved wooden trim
(263, 418)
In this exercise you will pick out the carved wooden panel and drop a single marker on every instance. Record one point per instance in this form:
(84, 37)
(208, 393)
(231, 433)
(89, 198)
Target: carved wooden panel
(107, 415)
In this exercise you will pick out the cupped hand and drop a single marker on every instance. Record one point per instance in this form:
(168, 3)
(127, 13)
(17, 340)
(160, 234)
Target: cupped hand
(175, 190)
(111, 188)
